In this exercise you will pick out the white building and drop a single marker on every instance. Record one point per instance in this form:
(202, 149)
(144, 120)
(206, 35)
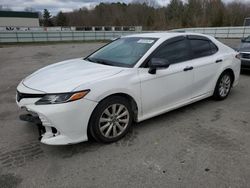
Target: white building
(18, 19)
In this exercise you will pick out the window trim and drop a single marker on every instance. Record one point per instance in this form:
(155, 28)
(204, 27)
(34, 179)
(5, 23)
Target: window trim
(187, 39)
(144, 64)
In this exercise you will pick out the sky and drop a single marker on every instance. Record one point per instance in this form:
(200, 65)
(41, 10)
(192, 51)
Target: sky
(55, 6)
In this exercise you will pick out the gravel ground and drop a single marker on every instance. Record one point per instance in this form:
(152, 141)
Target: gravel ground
(206, 144)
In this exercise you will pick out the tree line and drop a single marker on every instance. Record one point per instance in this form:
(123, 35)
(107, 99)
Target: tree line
(147, 13)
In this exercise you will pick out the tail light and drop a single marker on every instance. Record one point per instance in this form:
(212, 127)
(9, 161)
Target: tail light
(238, 56)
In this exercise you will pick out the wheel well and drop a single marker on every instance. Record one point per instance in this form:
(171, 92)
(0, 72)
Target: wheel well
(231, 72)
(131, 101)
(126, 96)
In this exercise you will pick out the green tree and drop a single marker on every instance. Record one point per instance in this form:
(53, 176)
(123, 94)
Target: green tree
(47, 18)
(61, 19)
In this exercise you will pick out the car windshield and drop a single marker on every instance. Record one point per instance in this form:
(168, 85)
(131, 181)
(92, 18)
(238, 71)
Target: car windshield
(123, 52)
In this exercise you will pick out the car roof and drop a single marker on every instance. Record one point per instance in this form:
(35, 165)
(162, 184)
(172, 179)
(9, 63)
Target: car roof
(165, 35)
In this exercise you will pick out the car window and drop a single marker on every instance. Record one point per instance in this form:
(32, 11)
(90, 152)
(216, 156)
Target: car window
(214, 48)
(202, 48)
(174, 52)
(124, 52)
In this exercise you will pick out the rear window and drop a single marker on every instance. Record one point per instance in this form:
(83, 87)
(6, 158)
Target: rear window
(202, 48)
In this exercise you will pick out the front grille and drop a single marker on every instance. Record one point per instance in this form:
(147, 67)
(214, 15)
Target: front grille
(20, 96)
(245, 55)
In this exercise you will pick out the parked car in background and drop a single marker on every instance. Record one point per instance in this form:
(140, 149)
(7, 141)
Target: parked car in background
(129, 80)
(244, 50)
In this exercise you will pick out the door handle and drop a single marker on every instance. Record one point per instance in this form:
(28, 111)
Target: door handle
(188, 68)
(218, 60)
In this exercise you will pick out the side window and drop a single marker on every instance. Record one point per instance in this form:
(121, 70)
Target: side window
(174, 52)
(202, 48)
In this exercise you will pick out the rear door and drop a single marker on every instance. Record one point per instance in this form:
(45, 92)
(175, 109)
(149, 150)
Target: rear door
(206, 62)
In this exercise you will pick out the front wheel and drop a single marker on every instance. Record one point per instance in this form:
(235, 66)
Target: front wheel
(111, 119)
(223, 86)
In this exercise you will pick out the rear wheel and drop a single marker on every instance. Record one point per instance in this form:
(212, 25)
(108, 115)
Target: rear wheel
(223, 86)
(111, 119)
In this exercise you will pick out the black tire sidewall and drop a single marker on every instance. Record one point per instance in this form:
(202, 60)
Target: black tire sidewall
(95, 117)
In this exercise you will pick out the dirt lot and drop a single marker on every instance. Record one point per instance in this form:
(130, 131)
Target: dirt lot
(206, 144)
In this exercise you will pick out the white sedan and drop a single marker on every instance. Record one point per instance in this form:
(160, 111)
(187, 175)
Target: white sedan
(128, 80)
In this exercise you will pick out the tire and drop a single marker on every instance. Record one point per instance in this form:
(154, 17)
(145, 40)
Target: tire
(223, 86)
(111, 119)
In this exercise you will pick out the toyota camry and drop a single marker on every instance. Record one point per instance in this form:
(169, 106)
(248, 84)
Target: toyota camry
(131, 79)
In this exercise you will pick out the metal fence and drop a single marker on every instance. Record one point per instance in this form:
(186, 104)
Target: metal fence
(47, 36)
(220, 32)
(72, 28)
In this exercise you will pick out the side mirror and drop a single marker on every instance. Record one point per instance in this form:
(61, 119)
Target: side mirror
(157, 63)
(243, 39)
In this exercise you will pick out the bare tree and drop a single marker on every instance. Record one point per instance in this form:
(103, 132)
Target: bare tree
(176, 14)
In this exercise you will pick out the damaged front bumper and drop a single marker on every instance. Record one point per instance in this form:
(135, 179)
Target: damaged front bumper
(58, 124)
(34, 118)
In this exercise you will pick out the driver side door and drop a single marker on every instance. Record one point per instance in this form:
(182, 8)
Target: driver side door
(168, 87)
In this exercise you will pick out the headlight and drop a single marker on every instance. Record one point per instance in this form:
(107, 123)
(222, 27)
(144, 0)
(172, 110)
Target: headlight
(62, 97)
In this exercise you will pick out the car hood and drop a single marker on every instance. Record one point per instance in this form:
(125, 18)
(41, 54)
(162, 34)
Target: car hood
(244, 47)
(68, 75)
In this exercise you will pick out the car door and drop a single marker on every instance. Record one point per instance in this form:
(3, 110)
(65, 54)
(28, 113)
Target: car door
(170, 86)
(206, 62)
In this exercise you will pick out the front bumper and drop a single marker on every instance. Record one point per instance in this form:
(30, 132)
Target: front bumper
(245, 60)
(69, 119)
(245, 64)
(35, 119)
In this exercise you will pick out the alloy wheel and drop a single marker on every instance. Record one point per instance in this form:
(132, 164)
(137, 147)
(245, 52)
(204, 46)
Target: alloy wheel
(225, 85)
(114, 120)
